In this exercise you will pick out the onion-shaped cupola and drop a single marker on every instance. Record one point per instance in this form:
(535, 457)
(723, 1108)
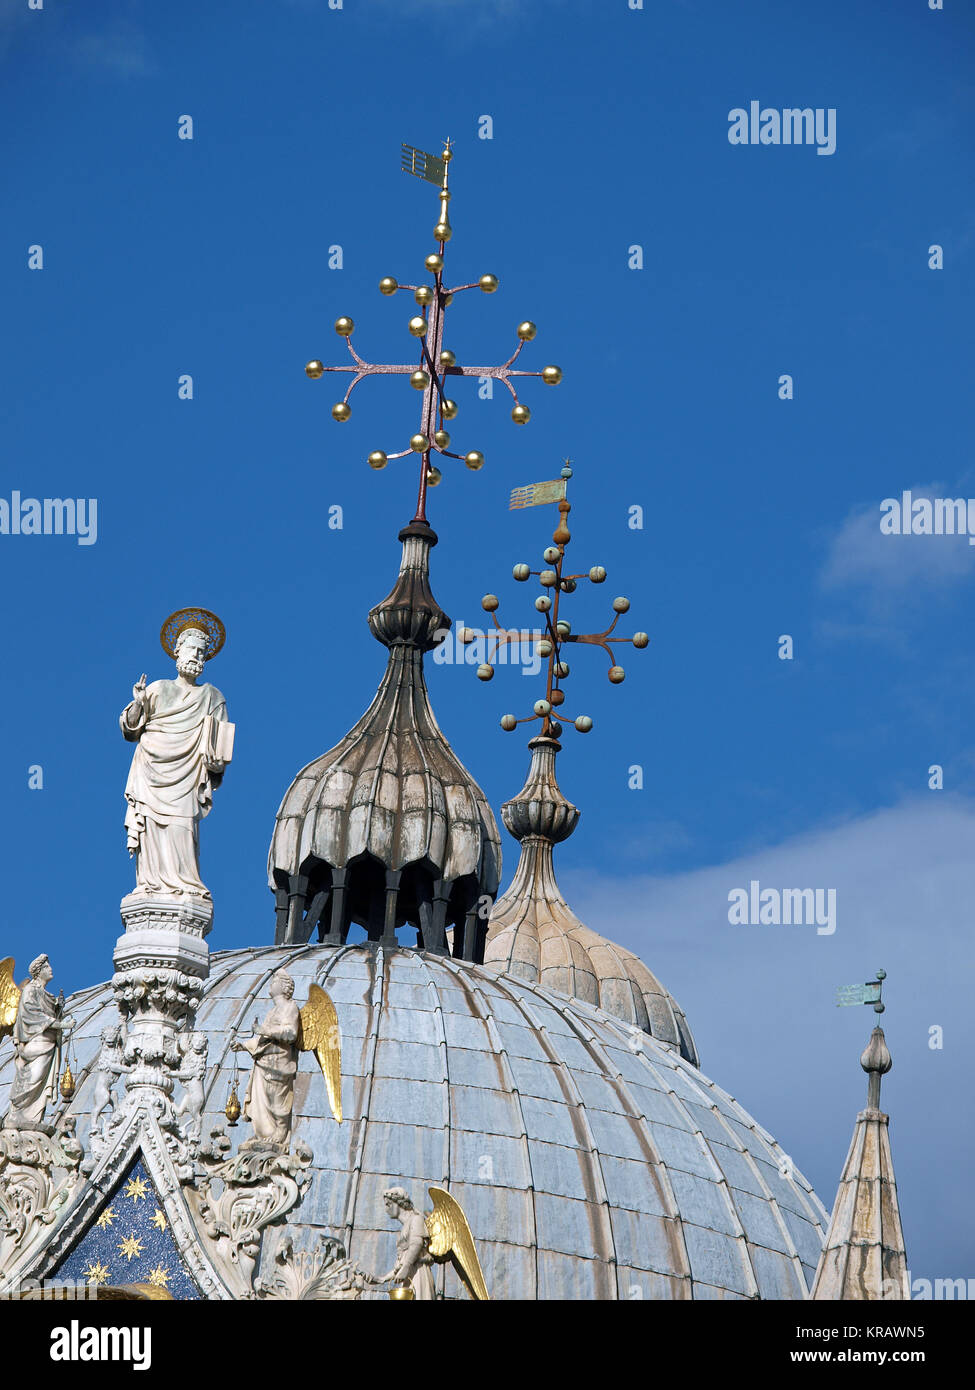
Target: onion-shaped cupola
(388, 829)
(534, 934)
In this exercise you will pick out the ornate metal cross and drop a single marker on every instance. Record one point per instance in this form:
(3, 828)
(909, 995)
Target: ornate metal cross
(558, 631)
(436, 363)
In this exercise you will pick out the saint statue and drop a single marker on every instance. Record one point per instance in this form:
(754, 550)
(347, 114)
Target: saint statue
(37, 1035)
(274, 1047)
(183, 744)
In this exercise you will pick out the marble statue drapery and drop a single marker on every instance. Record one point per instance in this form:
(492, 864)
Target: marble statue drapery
(37, 1047)
(271, 1088)
(170, 784)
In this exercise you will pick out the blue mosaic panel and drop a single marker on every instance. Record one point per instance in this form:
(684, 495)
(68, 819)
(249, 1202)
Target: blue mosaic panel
(130, 1242)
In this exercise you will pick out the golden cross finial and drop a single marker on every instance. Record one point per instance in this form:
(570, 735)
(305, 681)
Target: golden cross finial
(436, 362)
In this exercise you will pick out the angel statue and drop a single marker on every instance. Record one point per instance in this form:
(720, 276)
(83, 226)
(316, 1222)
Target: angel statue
(38, 1022)
(274, 1046)
(184, 742)
(443, 1234)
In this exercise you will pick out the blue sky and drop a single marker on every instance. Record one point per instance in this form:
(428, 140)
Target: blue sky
(165, 256)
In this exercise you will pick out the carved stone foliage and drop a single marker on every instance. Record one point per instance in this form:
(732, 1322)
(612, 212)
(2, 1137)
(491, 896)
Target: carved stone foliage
(259, 1186)
(39, 1175)
(317, 1275)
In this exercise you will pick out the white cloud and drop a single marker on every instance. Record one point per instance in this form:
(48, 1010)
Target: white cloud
(862, 557)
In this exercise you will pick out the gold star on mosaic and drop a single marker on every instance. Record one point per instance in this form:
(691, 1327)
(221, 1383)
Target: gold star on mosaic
(137, 1189)
(159, 1220)
(130, 1247)
(159, 1277)
(106, 1218)
(96, 1273)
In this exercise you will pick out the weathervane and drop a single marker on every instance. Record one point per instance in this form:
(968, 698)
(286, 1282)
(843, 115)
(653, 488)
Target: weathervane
(876, 1059)
(557, 630)
(863, 994)
(436, 363)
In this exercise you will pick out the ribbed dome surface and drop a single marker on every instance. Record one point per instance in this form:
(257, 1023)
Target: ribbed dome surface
(534, 934)
(591, 1161)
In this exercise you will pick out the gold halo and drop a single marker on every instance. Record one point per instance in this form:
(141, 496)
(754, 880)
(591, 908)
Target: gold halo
(200, 618)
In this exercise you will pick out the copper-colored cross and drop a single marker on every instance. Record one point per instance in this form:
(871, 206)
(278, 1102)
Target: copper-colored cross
(435, 365)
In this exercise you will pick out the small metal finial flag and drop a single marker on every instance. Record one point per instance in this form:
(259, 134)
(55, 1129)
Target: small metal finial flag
(869, 993)
(436, 364)
(422, 165)
(535, 494)
(558, 631)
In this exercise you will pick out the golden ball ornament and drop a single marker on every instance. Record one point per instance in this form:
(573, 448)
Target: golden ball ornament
(377, 459)
(488, 283)
(341, 412)
(551, 375)
(344, 327)
(419, 443)
(527, 331)
(442, 439)
(388, 285)
(434, 263)
(449, 409)
(418, 326)
(420, 380)
(521, 414)
(434, 476)
(314, 369)
(474, 460)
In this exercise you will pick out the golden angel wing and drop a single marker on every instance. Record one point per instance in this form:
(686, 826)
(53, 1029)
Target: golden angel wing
(9, 997)
(320, 1034)
(450, 1235)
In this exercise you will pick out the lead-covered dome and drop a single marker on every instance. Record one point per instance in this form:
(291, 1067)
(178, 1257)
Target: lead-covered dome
(591, 1161)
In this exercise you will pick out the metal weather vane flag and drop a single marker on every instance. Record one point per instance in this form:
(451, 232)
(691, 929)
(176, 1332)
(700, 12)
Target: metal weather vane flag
(435, 365)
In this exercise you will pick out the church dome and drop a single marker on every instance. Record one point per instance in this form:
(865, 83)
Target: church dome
(591, 1160)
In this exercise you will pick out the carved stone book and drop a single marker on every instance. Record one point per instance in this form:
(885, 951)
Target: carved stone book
(218, 739)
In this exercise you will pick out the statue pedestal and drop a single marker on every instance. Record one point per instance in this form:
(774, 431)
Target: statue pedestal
(161, 963)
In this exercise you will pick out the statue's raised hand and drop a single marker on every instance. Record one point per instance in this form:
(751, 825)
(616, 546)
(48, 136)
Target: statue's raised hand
(139, 690)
